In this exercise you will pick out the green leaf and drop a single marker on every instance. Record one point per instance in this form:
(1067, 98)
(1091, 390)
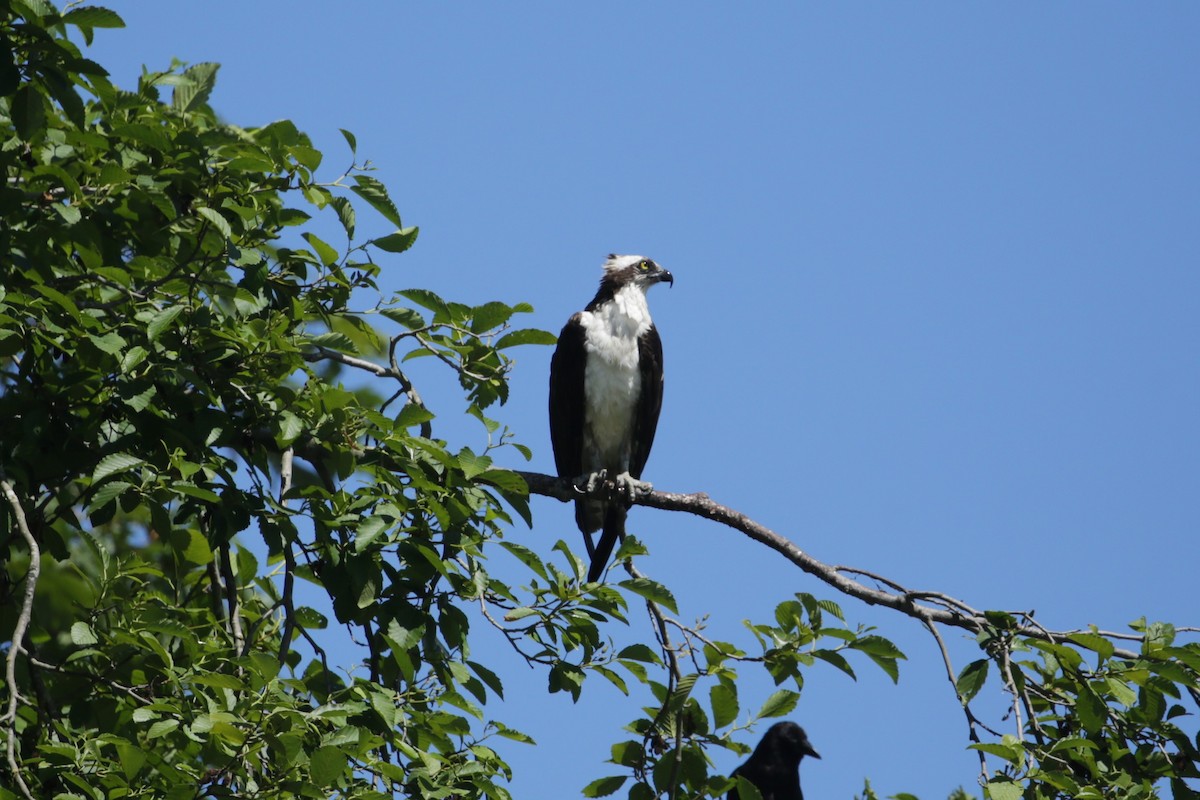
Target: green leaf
(746, 789)
(971, 679)
(427, 299)
(327, 764)
(111, 343)
(603, 787)
(374, 192)
(490, 315)
(780, 703)
(350, 140)
(525, 336)
(28, 110)
(396, 242)
(82, 635)
(368, 531)
(191, 545)
(325, 253)
(162, 728)
(1004, 790)
(653, 591)
(405, 316)
(194, 87)
(93, 17)
(724, 702)
(1090, 709)
(108, 492)
(503, 479)
(345, 212)
(114, 463)
(218, 221)
(1094, 642)
(161, 321)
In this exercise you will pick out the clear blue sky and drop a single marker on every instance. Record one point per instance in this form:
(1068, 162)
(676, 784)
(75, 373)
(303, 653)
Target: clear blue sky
(936, 310)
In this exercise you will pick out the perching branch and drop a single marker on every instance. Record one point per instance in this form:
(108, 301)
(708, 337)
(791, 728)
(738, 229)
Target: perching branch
(948, 611)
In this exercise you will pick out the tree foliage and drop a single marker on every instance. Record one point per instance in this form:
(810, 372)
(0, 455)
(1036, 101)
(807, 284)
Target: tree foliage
(204, 408)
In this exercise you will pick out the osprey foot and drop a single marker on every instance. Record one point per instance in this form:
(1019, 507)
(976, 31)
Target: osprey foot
(630, 487)
(589, 483)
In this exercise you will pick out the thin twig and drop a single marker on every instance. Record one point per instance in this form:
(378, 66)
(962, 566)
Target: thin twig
(971, 720)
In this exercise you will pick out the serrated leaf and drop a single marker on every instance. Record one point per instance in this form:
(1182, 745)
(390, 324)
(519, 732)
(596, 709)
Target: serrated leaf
(93, 17)
(327, 765)
(107, 493)
(191, 545)
(397, 242)
(413, 414)
(780, 703)
(971, 679)
(405, 316)
(489, 315)
(1094, 642)
(113, 464)
(527, 557)
(218, 221)
(653, 591)
(82, 635)
(639, 652)
(724, 702)
(345, 212)
(1090, 709)
(161, 321)
(290, 428)
(161, 728)
(28, 111)
(1004, 790)
(427, 299)
(525, 336)
(143, 714)
(503, 479)
(195, 85)
(111, 343)
(324, 251)
(374, 192)
(746, 789)
(368, 531)
(488, 677)
(603, 787)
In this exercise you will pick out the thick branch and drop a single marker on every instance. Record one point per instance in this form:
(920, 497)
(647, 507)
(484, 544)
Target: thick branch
(9, 719)
(953, 613)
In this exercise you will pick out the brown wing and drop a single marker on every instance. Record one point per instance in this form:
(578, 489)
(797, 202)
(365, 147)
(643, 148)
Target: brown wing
(650, 363)
(567, 398)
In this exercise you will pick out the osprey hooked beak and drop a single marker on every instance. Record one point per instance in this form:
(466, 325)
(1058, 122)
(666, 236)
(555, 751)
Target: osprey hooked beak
(661, 275)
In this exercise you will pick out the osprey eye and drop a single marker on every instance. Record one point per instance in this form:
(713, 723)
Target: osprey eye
(645, 265)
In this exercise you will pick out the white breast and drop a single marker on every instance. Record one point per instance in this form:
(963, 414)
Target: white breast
(613, 381)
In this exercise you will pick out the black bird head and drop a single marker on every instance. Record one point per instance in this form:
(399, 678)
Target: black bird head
(786, 741)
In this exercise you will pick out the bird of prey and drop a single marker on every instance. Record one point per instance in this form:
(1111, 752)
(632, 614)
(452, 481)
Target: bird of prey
(606, 383)
(774, 766)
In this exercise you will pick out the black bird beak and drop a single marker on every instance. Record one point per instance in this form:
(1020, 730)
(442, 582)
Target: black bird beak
(666, 277)
(808, 751)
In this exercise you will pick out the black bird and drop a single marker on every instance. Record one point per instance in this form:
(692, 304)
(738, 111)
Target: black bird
(774, 766)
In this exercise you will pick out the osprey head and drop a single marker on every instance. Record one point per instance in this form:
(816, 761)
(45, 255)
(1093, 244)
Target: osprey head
(637, 270)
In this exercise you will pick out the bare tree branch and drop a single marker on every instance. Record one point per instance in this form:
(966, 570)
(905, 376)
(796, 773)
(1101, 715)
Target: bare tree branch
(9, 719)
(950, 612)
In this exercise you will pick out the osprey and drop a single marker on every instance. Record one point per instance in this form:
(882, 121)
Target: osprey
(606, 382)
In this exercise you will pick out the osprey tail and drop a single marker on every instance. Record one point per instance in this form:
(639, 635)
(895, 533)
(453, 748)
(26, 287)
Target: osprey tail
(613, 530)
